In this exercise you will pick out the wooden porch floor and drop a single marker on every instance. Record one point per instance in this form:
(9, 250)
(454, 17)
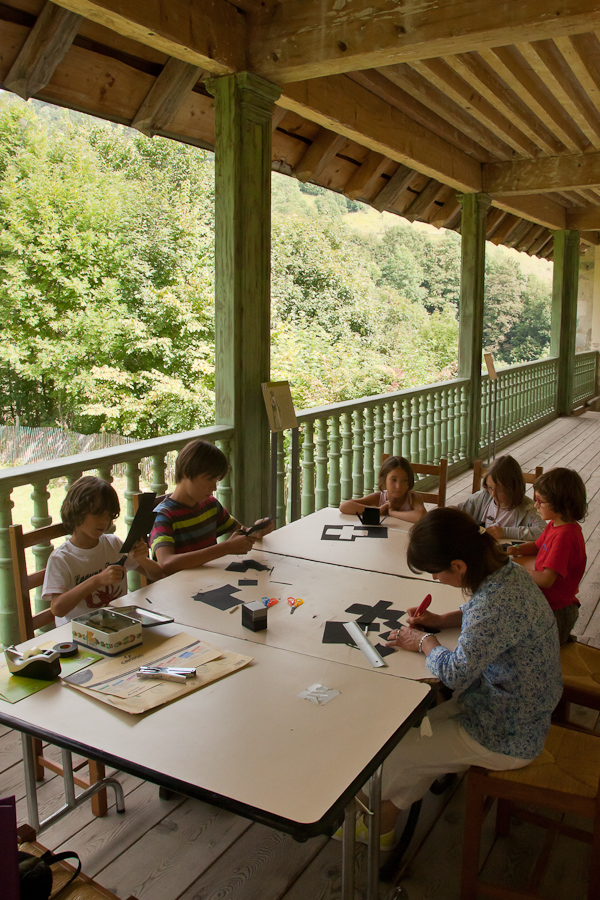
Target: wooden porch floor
(181, 848)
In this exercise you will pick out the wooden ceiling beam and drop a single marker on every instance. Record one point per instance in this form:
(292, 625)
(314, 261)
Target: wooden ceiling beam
(445, 213)
(410, 92)
(549, 63)
(583, 219)
(534, 208)
(365, 178)
(448, 76)
(421, 205)
(486, 81)
(318, 155)
(514, 69)
(166, 96)
(302, 39)
(44, 49)
(341, 105)
(495, 217)
(541, 242)
(398, 183)
(210, 34)
(556, 173)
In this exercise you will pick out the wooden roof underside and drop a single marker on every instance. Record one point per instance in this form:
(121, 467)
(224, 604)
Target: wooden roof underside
(401, 104)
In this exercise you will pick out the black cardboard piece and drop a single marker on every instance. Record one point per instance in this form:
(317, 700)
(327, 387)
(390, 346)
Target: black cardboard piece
(247, 582)
(383, 650)
(245, 565)
(332, 532)
(142, 522)
(335, 633)
(220, 597)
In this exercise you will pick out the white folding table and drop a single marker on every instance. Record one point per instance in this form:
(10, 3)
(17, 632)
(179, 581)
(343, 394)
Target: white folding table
(330, 536)
(327, 592)
(246, 743)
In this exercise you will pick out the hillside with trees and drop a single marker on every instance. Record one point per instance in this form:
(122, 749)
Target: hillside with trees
(107, 285)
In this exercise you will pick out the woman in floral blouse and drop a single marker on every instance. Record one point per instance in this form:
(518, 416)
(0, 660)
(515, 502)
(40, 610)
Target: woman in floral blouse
(505, 671)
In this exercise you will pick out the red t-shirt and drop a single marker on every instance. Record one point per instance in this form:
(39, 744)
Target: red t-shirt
(562, 549)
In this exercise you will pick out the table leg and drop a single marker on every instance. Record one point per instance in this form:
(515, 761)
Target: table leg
(348, 851)
(33, 815)
(374, 833)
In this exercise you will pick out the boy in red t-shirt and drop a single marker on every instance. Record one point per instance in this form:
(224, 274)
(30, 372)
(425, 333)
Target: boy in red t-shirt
(556, 561)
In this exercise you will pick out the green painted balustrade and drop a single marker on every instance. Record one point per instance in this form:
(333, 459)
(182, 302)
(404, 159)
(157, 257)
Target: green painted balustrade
(336, 451)
(525, 396)
(585, 379)
(334, 454)
(103, 463)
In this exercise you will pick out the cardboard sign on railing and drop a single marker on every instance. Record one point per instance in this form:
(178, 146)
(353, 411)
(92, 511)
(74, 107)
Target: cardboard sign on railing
(279, 404)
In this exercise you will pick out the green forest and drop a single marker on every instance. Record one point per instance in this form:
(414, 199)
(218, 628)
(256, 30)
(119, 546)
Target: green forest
(107, 285)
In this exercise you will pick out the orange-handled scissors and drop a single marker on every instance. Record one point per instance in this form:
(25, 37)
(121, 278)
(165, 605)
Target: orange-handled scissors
(294, 603)
(269, 601)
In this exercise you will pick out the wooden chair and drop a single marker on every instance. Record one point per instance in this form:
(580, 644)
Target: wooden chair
(563, 778)
(440, 471)
(82, 888)
(28, 624)
(479, 471)
(580, 666)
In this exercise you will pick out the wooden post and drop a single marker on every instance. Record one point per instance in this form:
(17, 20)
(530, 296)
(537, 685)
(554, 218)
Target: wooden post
(470, 340)
(243, 110)
(564, 315)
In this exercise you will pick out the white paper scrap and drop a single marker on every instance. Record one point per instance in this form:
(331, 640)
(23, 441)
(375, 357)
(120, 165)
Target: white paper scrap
(318, 693)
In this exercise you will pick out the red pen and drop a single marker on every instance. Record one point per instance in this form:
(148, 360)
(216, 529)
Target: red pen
(422, 606)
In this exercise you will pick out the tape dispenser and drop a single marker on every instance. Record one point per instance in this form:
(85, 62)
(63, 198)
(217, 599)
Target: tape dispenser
(34, 663)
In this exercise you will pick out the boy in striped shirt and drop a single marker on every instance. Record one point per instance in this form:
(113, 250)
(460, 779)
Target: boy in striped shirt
(190, 519)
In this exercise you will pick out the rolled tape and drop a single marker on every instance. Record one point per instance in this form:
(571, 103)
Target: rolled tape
(67, 649)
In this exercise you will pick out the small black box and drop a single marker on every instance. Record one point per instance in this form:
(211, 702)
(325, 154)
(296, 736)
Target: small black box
(370, 515)
(254, 616)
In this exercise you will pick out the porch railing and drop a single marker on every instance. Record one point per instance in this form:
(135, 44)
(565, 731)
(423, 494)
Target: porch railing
(40, 475)
(525, 395)
(334, 454)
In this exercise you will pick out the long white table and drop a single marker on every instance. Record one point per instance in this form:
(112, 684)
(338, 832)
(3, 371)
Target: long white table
(329, 536)
(327, 592)
(246, 743)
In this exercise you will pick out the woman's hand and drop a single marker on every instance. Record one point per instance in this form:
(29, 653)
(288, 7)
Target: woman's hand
(495, 531)
(423, 622)
(405, 638)
(514, 550)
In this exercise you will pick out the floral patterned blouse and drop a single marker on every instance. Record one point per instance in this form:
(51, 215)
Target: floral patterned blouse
(506, 665)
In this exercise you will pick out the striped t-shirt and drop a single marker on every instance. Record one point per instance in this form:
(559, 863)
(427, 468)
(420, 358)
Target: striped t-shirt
(188, 528)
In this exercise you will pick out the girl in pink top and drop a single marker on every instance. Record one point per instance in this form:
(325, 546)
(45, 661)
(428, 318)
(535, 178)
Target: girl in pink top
(395, 496)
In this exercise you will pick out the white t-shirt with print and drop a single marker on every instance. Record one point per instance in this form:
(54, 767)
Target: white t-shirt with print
(69, 566)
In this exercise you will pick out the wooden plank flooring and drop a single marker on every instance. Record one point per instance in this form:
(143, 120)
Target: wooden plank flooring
(181, 848)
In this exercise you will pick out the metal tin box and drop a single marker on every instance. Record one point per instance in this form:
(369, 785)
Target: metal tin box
(107, 631)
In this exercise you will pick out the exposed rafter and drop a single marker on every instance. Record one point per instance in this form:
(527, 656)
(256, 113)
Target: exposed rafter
(44, 49)
(302, 39)
(347, 108)
(557, 173)
(210, 34)
(166, 96)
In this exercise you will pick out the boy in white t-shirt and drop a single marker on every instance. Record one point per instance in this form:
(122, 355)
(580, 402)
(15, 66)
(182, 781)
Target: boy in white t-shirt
(82, 574)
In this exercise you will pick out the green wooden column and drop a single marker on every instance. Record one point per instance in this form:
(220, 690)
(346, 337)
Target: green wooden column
(243, 112)
(564, 314)
(470, 340)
